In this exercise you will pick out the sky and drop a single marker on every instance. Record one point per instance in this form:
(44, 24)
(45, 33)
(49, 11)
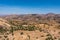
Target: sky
(29, 6)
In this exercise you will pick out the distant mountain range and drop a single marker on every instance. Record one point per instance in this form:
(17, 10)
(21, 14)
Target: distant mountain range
(35, 18)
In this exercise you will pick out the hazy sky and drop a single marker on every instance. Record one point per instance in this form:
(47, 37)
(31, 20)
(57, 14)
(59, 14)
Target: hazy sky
(29, 6)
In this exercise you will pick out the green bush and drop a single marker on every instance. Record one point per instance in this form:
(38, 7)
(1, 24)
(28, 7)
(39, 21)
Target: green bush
(49, 37)
(2, 30)
(31, 28)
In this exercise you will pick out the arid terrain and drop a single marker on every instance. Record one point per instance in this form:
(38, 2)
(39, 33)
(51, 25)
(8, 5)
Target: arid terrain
(30, 27)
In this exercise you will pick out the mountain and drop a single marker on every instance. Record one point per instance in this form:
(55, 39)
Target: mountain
(30, 27)
(35, 18)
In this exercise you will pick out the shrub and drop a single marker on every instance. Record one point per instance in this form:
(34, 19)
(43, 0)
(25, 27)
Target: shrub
(12, 30)
(42, 35)
(28, 28)
(2, 30)
(40, 29)
(31, 28)
(21, 33)
(49, 37)
(5, 36)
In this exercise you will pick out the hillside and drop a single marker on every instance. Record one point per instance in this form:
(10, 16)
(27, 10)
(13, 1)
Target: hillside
(31, 27)
(4, 23)
(50, 18)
